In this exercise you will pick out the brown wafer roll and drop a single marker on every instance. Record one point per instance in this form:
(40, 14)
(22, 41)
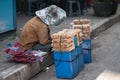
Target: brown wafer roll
(84, 21)
(76, 21)
(62, 40)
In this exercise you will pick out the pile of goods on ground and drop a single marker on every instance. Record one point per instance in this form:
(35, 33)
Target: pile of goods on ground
(20, 54)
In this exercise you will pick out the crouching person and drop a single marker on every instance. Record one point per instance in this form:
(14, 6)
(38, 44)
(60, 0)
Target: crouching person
(36, 33)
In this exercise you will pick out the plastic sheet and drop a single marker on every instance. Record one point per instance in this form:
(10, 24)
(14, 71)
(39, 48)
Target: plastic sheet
(47, 16)
(20, 54)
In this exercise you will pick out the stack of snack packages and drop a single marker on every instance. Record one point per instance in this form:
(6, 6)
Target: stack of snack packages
(84, 26)
(65, 40)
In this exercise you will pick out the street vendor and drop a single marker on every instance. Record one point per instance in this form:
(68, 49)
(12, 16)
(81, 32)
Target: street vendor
(36, 33)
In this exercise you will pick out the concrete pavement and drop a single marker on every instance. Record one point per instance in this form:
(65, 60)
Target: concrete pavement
(14, 71)
(106, 56)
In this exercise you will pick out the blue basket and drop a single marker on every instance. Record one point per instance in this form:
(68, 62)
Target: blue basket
(80, 59)
(66, 69)
(79, 49)
(66, 56)
(80, 62)
(86, 46)
(68, 64)
(87, 56)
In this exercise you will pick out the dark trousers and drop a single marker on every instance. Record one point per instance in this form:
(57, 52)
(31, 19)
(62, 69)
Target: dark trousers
(82, 5)
(44, 48)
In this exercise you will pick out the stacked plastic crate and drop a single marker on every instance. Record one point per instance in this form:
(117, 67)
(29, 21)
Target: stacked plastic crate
(84, 26)
(68, 57)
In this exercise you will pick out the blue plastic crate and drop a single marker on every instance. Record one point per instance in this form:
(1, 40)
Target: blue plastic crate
(67, 56)
(87, 56)
(86, 46)
(66, 69)
(79, 49)
(68, 64)
(80, 62)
